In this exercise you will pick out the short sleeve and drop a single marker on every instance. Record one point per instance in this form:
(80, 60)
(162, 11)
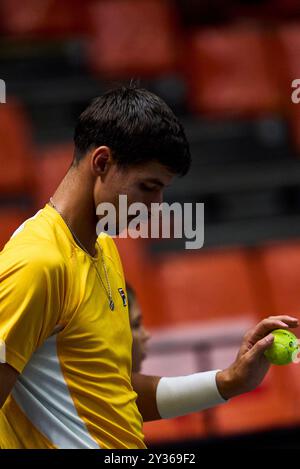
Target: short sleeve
(31, 301)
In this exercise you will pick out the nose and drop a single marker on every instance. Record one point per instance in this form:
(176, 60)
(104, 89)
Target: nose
(160, 197)
(157, 199)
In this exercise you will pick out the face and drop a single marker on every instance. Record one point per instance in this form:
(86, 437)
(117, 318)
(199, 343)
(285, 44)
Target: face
(143, 183)
(140, 337)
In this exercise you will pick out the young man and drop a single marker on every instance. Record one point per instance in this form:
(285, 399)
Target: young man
(67, 378)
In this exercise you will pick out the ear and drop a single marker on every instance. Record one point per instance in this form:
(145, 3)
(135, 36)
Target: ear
(101, 160)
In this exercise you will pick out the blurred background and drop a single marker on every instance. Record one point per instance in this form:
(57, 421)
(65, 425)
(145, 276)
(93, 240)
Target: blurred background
(225, 67)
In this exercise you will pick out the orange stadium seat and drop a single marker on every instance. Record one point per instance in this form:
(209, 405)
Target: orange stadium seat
(52, 165)
(177, 289)
(35, 18)
(228, 73)
(281, 264)
(123, 43)
(16, 150)
(206, 286)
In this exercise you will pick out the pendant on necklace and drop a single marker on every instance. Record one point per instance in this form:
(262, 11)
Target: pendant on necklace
(111, 305)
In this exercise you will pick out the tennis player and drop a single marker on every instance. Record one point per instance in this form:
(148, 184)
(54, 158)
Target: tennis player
(67, 380)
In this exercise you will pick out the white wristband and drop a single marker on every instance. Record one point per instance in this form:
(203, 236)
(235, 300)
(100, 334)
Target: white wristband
(185, 394)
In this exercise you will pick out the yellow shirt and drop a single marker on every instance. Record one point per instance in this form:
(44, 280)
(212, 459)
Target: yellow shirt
(74, 389)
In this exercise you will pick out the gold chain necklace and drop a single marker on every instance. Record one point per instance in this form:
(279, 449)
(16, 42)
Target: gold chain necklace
(108, 289)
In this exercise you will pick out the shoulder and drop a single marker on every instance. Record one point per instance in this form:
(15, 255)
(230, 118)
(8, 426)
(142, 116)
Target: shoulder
(35, 258)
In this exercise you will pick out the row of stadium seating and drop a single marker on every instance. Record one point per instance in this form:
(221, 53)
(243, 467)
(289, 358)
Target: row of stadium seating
(31, 18)
(245, 171)
(231, 70)
(219, 147)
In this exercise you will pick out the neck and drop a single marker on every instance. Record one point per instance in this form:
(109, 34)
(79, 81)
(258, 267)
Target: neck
(74, 201)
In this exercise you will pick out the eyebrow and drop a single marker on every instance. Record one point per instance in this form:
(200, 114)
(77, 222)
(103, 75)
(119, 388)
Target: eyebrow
(155, 181)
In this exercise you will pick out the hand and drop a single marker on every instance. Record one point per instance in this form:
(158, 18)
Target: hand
(251, 366)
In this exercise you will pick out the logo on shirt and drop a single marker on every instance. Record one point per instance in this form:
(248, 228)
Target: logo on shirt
(123, 296)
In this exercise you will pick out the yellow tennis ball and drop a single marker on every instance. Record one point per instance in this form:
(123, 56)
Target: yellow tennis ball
(284, 347)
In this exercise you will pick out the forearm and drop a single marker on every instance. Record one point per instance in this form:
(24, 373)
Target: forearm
(172, 397)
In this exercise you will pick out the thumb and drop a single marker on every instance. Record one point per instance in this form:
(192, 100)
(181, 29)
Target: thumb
(263, 344)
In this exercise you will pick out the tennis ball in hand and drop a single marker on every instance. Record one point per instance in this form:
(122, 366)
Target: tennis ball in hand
(285, 344)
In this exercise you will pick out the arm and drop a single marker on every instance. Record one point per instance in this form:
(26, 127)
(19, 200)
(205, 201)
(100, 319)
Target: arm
(30, 303)
(145, 387)
(8, 377)
(172, 397)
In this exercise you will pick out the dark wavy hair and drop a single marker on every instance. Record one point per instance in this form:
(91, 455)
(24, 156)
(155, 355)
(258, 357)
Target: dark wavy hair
(137, 126)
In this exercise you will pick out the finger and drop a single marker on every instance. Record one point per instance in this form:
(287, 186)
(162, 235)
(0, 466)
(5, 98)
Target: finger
(260, 347)
(265, 327)
(290, 320)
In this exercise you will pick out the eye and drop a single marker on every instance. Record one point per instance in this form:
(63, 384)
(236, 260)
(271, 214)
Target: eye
(147, 187)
